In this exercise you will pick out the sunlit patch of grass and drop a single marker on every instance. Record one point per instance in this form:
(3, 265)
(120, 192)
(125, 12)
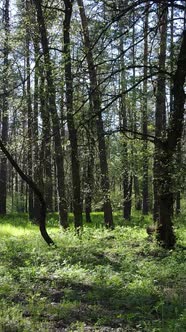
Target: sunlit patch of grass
(103, 277)
(16, 231)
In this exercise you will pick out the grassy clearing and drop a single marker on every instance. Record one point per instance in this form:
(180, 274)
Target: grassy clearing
(102, 281)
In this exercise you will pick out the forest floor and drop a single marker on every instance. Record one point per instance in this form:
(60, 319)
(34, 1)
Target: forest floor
(103, 280)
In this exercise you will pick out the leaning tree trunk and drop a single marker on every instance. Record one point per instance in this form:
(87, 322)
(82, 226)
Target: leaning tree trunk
(77, 204)
(33, 186)
(59, 158)
(96, 100)
(167, 150)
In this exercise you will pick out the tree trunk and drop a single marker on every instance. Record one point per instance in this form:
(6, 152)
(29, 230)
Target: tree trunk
(89, 182)
(178, 178)
(127, 179)
(133, 124)
(29, 119)
(46, 155)
(59, 159)
(167, 150)
(3, 161)
(96, 100)
(77, 204)
(39, 161)
(145, 191)
(160, 114)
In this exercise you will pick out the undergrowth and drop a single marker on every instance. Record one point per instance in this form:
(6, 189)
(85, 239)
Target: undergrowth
(100, 281)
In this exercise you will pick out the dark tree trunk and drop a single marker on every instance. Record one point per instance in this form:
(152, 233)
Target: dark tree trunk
(96, 100)
(179, 178)
(89, 184)
(59, 158)
(77, 203)
(3, 161)
(46, 156)
(133, 124)
(165, 231)
(136, 191)
(128, 197)
(126, 178)
(39, 160)
(145, 191)
(160, 114)
(167, 149)
(29, 120)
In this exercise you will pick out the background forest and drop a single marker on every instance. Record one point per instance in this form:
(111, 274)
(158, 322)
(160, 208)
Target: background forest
(92, 109)
(92, 135)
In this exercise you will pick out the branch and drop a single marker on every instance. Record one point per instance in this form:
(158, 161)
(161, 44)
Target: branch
(123, 130)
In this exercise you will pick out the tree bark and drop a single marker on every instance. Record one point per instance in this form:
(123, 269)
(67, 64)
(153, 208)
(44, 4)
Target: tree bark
(59, 159)
(96, 100)
(3, 164)
(145, 191)
(160, 114)
(29, 119)
(167, 150)
(77, 204)
(127, 179)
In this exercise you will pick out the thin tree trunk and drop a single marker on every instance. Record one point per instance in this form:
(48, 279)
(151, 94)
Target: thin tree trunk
(96, 100)
(145, 205)
(37, 170)
(3, 166)
(127, 179)
(46, 143)
(77, 204)
(29, 120)
(179, 178)
(59, 159)
(89, 181)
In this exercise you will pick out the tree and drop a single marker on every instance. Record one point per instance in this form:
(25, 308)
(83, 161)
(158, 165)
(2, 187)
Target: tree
(77, 204)
(168, 150)
(75, 80)
(145, 206)
(96, 100)
(160, 113)
(29, 115)
(59, 160)
(4, 130)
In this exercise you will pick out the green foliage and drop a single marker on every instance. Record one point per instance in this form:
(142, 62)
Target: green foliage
(114, 279)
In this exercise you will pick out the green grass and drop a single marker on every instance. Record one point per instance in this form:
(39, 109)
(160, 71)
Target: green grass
(115, 279)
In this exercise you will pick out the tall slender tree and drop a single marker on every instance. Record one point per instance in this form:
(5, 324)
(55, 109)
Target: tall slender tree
(4, 132)
(59, 158)
(29, 113)
(77, 203)
(96, 100)
(160, 112)
(145, 207)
